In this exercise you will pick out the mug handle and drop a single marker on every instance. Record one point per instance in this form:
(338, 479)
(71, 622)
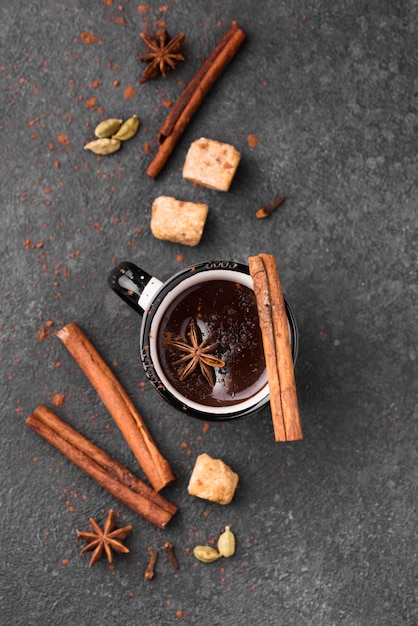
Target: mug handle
(133, 285)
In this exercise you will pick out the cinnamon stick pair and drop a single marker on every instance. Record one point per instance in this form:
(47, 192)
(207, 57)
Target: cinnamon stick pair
(105, 470)
(277, 347)
(119, 405)
(193, 96)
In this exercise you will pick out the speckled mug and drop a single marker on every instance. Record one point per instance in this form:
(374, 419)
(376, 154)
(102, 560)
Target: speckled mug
(150, 298)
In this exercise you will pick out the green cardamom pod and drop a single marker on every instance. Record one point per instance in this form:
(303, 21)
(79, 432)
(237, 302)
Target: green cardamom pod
(103, 146)
(226, 543)
(206, 554)
(107, 128)
(128, 129)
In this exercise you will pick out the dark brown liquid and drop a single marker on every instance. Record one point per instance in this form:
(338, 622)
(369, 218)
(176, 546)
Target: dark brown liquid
(226, 312)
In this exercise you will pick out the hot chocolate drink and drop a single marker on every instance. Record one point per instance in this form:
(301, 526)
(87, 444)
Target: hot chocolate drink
(210, 345)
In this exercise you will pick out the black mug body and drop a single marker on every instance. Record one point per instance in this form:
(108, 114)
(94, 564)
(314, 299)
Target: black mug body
(150, 298)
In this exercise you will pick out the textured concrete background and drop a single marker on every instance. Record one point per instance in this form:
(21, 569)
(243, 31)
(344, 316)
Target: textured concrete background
(322, 102)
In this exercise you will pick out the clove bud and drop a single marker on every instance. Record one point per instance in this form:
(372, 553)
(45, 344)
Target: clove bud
(149, 572)
(265, 211)
(169, 549)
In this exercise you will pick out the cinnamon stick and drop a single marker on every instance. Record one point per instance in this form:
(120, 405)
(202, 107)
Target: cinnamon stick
(119, 405)
(193, 96)
(277, 347)
(262, 294)
(100, 466)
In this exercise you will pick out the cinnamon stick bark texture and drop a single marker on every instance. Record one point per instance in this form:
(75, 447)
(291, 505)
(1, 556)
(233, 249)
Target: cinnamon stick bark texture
(193, 96)
(119, 405)
(105, 470)
(277, 347)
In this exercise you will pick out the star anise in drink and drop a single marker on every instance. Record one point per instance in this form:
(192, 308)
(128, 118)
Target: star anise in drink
(106, 540)
(163, 53)
(197, 353)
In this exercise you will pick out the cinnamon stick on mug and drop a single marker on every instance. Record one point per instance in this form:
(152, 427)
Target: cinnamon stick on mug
(193, 96)
(119, 405)
(277, 347)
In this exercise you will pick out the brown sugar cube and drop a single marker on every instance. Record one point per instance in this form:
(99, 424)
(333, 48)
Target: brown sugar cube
(212, 480)
(211, 164)
(177, 221)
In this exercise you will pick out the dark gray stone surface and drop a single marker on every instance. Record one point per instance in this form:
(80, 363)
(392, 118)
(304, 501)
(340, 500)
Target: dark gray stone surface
(326, 528)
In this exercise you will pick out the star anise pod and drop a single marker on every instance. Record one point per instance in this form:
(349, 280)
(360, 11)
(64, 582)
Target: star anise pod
(106, 540)
(197, 353)
(163, 53)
